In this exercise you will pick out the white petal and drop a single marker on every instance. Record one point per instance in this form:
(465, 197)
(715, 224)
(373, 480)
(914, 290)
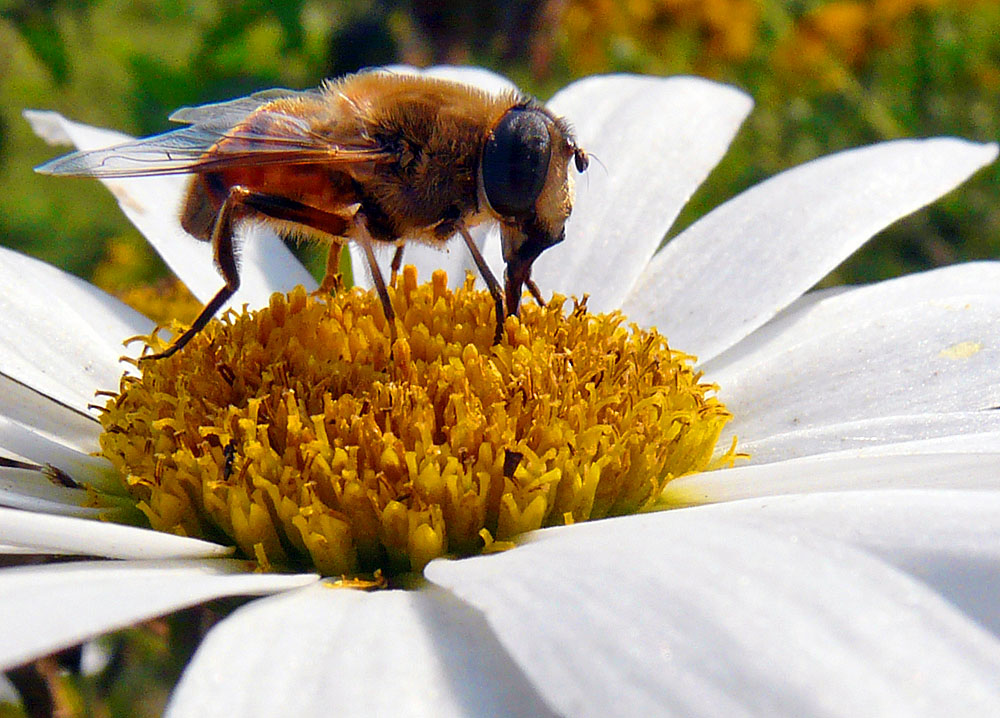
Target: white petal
(653, 141)
(915, 465)
(864, 433)
(935, 356)
(739, 265)
(153, 205)
(389, 653)
(61, 336)
(8, 550)
(33, 409)
(673, 614)
(47, 608)
(821, 309)
(36, 447)
(967, 442)
(107, 316)
(33, 492)
(66, 535)
(945, 538)
(477, 76)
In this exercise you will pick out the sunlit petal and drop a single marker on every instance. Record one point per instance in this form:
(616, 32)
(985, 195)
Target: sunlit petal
(933, 356)
(28, 406)
(863, 433)
(830, 306)
(914, 465)
(945, 538)
(690, 616)
(32, 491)
(65, 535)
(739, 265)
(302, 654)
(61, 605)
(34, 446)
(62, 336)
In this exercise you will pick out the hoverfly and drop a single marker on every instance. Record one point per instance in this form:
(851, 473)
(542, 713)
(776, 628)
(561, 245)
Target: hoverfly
(373, 158)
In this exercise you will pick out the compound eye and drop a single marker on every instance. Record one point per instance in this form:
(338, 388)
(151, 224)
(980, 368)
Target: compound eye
(516, 161)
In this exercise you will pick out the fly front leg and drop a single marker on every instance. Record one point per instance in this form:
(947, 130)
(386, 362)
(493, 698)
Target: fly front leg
(333, 281)
(397, 261)
(491, 282)
(364, 239)
(241, 203)
(535, 291)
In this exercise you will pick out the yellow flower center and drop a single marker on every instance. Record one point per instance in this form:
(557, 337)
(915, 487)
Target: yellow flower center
(295, 433)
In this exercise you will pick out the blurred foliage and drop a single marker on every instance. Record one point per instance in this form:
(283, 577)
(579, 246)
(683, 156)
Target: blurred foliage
(826, 75)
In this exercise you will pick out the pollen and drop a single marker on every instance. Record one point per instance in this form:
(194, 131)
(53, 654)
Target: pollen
(300, 435)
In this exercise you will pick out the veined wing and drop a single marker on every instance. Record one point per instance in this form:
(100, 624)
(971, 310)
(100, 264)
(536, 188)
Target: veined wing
(230, 113)
(237, 133)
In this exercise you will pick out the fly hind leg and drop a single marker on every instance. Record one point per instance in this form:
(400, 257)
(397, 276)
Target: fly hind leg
(233, 209)
(241, 203)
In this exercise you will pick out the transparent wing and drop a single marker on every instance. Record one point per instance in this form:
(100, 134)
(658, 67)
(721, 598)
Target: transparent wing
(237, 133)
(232, 112)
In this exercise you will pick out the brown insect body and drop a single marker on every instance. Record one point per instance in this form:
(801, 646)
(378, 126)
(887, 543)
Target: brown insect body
(433, 130)
(372, 158)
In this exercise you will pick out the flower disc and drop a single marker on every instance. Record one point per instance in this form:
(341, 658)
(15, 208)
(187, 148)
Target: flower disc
(298, 434)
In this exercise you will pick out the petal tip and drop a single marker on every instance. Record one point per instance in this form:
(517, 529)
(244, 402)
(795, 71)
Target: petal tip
(49, 125)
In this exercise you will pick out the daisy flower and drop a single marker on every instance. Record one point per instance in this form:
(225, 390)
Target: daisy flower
(847, 566)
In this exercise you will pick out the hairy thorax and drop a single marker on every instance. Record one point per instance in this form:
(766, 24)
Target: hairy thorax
(434, 139)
